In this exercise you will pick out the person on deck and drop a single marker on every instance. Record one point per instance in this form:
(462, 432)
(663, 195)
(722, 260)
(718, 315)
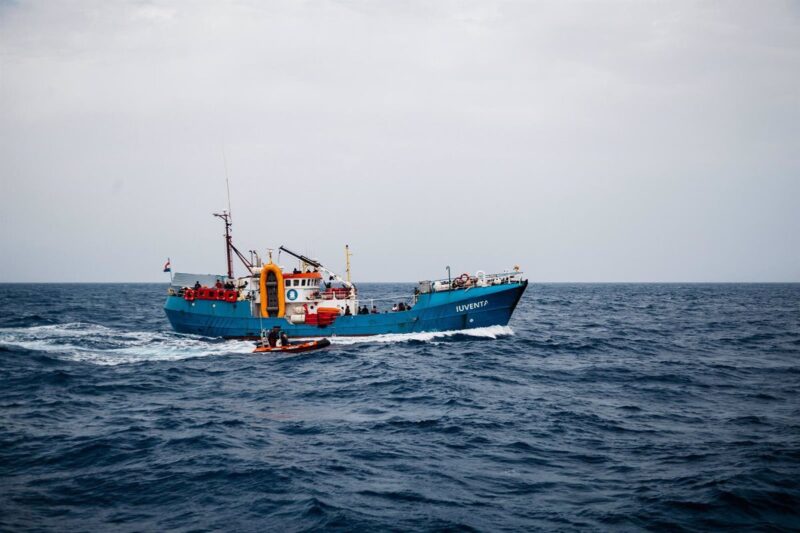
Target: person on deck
(401, 307)
(347, 311)
(284, 339)
(394, 307)
(374, 310)
(218, 284)
(197, 285)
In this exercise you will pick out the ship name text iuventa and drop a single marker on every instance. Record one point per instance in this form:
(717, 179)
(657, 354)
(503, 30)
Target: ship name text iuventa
(312, 301)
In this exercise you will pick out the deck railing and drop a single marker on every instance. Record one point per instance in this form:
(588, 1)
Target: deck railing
(480, 279)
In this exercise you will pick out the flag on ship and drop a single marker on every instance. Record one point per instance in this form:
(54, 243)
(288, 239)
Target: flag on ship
(167, 266)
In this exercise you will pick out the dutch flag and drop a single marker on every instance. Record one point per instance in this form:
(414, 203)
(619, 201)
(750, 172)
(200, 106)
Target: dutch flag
(167, 266)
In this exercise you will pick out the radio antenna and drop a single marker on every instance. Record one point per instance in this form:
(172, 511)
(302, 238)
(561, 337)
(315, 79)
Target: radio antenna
(230, 249)
(227, 181)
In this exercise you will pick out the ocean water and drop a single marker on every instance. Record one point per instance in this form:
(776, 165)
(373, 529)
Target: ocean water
(600, 407)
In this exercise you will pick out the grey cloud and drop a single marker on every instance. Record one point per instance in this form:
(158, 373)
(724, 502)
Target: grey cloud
(640, 141)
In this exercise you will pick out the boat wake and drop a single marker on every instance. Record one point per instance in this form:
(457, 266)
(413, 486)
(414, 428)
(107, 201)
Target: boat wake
(92, 343)
(490, 332)
(101, 345)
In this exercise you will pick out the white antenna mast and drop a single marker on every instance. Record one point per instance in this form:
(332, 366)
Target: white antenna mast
(226, 216)
(227, 181)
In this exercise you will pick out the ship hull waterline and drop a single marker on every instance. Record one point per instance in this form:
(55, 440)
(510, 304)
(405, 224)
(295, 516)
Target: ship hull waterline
(475, 307)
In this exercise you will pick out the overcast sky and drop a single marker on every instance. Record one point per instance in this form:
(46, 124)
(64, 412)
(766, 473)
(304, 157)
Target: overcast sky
(584, 141)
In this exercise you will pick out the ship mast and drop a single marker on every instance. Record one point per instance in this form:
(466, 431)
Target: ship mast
(230, 249)
(226, 216)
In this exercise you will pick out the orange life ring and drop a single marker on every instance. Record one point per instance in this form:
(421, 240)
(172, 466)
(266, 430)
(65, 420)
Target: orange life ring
(188, 295)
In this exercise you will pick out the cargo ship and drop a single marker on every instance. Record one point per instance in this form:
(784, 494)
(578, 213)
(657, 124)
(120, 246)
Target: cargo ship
(309, 300)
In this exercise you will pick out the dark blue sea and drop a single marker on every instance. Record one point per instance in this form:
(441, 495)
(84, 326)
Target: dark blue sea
(600, 407)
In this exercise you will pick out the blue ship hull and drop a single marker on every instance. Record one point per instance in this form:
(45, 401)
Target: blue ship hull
(475, 307)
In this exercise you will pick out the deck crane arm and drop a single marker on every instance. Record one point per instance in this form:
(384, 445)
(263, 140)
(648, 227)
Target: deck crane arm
(318, 265)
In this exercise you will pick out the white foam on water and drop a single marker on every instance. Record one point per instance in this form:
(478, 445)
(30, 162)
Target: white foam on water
(73, 342)
(489, 332)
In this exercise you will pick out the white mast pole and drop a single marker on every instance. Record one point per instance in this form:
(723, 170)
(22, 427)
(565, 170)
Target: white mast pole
(227, 182)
